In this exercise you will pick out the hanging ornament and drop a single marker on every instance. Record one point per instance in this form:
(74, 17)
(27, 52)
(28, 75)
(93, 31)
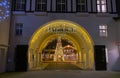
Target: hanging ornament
(4, 9)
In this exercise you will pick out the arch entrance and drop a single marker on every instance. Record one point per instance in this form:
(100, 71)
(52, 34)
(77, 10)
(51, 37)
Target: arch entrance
(60, 41)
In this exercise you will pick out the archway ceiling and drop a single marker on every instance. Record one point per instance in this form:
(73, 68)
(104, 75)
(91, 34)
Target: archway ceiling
(72, 38)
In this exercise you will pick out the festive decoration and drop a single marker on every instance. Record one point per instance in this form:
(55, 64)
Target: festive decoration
(4, 9)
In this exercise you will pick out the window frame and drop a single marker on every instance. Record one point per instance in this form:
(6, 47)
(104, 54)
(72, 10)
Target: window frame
(101, 7)
(19, 29)
(81, 4)
(43, 5)
(103, 30)
(61, 6)
(21, 3)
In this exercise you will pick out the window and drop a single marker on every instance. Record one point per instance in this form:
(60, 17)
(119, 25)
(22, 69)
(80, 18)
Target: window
(19, 29)
(19, 5)
(61, 5)
(103, 30)
(41, 5)
(2, 54)
(101, 6)
(81, 5)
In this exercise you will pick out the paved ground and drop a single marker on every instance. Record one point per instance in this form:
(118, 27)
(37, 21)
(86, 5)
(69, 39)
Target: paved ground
(61, 74)
(61, 66)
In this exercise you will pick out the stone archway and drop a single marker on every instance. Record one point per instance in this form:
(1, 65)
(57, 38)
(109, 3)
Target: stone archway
(70, 33)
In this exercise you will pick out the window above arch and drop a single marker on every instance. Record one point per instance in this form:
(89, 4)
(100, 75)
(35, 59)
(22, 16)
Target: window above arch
(81, 5)
(41, 5)
(102, 6)
(61, 5)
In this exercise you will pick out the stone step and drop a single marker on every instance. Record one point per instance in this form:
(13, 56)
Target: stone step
(61, 66)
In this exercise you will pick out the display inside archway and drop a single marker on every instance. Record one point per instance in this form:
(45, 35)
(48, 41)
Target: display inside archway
(4, 9)
(69, 52)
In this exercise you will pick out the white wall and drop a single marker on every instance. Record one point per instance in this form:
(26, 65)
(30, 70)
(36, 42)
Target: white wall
(90, 21)
(117, 61)
(31, 22)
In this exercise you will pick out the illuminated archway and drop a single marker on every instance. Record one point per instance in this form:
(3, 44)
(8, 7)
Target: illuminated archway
(70, 31)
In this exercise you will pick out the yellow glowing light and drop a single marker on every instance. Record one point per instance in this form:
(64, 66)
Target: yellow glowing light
(80, 38)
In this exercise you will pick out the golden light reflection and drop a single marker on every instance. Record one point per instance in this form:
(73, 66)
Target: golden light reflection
(79, 38)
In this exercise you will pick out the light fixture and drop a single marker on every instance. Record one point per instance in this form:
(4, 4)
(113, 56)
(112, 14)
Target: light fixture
(4, 9)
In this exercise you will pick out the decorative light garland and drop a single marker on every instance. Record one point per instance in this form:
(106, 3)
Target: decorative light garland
(4, 9)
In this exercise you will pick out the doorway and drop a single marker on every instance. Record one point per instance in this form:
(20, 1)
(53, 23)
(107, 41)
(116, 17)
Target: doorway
(61, 41)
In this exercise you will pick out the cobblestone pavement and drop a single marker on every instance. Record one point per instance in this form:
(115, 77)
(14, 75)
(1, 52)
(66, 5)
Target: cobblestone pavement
(61, 74)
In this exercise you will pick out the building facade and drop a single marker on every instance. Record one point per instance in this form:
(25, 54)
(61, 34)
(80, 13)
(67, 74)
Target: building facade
(4, 32)
(85, 30)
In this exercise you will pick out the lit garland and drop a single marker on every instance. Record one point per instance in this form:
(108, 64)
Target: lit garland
(4, 9)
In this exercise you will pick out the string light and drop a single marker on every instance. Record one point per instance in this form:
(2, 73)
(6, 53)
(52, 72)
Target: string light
(4, 9)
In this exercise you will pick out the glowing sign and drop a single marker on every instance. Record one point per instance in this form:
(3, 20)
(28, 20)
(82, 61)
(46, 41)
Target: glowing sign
(61, 30)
